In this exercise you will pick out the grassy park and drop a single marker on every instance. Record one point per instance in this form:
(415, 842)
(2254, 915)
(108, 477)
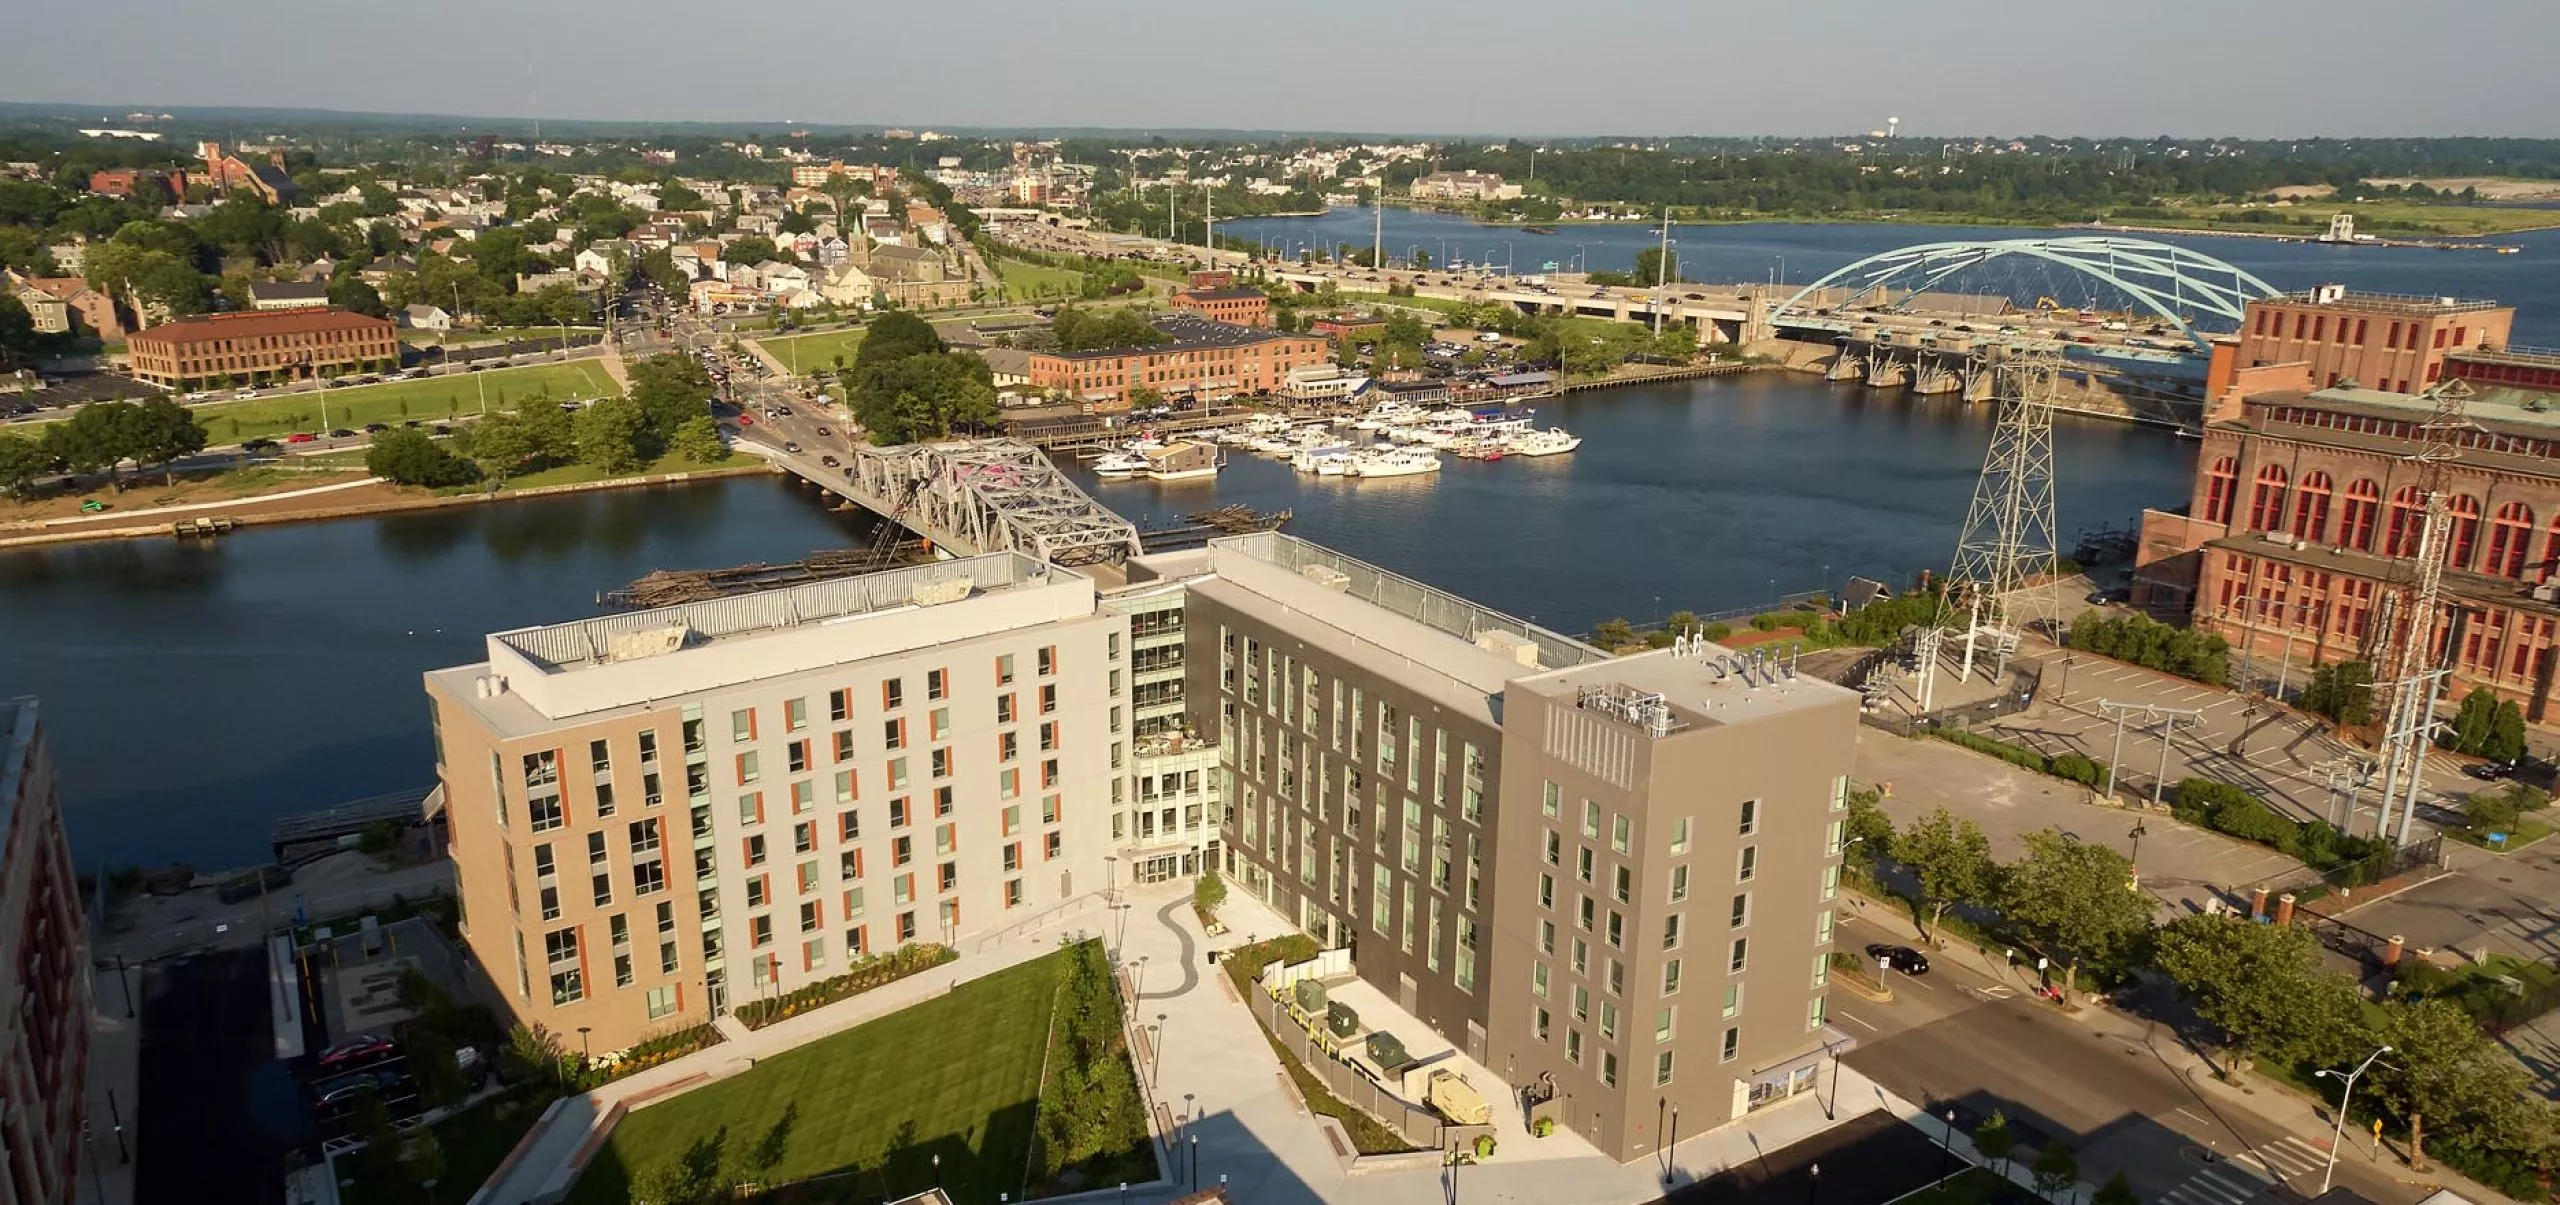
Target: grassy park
(817, 352)
(869, 1109)
(394, 401)
(1025, 281)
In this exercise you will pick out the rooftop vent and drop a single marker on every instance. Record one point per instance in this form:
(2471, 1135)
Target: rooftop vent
(647, 642)
(945, 590)
(1509, 645)
(1326, 576)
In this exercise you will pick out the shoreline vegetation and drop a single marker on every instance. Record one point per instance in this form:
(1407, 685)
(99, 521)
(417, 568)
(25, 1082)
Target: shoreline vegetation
(2304, 221)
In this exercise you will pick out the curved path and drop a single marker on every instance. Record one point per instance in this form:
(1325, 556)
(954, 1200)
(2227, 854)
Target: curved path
(1170, 916)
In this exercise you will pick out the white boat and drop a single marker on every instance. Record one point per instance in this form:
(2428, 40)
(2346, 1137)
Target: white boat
(1549, 442)
(1397, 462)
(1119, 464)
(1334, 466)
(1312, 459)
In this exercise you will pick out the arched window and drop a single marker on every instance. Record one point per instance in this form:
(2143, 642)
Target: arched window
(2463, 537)
(2311, 507)
(2508, 535)
(2218, 481)
(2550, 553)
(2266, 501)
(2408, 514)
(2363, 505)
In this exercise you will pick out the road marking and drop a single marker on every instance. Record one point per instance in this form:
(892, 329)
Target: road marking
(1853, 1017)
(2192, 1113)
(2223, 1183)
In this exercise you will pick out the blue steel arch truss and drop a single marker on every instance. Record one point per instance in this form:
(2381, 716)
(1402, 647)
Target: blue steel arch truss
(2178, 285)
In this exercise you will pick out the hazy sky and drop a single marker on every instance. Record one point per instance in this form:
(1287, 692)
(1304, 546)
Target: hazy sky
(2248, 68)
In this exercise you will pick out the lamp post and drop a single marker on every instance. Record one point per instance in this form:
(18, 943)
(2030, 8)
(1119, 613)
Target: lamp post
(1157, 1076)
(937, 1171)
(2136, 856)
(1812, 1183)
(1947, 1145)
(1138, 981)
(585, 1050)
(2338, 1129)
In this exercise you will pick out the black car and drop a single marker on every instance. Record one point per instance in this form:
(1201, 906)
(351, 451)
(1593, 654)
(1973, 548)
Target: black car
(341, 433)
(1899, 958)
(260, 445)
(345, 1089)
(377, 428)
(790, 446)
(2490, 771)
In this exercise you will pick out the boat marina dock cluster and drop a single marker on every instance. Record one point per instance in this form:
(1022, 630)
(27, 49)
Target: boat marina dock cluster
(1393, 439)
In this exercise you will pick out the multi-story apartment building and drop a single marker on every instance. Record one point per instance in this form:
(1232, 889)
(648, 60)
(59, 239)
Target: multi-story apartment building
(1527, 843)
(2379, 341)
(1165, 814)
(1463, 186)
(659, 814)
(44, 974)
(1208, 359)
(1682, 815)
(261, 345)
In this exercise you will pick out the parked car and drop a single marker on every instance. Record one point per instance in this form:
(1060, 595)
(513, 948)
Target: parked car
(790, 446)
(376, 428)
(1899, 958)
(245, 394)
(301, 437)
(260, 445)
(828, 461)
(2490, 771)
(344, 1090)
(356, 1050)
(340, 433)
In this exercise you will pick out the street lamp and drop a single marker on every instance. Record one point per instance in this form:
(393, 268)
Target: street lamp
(585, 1051)
(2337, 1131)
(1161, 1030)
(1812, 1183)
(2136, 856)
(1947, 1145)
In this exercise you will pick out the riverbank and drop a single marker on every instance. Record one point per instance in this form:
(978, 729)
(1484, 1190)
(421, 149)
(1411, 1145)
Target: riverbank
(361, 497)
(2396, 220)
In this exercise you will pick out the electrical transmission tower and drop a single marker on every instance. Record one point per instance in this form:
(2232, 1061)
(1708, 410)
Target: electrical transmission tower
(2409, 671)
(2008, 537)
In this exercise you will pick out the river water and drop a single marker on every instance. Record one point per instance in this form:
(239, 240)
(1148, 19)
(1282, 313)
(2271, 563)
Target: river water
(1803, 252)
(195, 691)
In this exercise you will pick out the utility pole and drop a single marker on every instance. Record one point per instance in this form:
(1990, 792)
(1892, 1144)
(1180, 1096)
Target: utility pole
(1378, 234)
(2407, 649)
(2008, 536)
(2149, 713)
(1662, 270)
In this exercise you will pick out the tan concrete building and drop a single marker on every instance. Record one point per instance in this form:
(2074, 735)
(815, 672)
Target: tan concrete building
(1609, 880)
(44, 974)
(658, 815)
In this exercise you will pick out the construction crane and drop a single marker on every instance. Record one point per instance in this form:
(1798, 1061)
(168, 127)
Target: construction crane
(2404, 642)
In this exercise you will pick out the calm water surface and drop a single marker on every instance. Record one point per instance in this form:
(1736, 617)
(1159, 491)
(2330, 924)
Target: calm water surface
(195, 691)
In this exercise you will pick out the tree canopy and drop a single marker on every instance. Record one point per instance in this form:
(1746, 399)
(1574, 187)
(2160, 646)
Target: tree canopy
(1078, 329)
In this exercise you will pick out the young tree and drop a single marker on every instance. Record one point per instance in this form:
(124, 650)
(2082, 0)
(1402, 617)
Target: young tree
(1994, 1140)
(613, 435)
(1870, 830)
(22, 460)
(2473, 722)
(698, 439)
(2264, 985)
(1613, 633)
(407, 456)
(1209, 892)
(2056, 1169)
(2443, 1071)
(2075, 899)
(1951, 859)
(1653, 264)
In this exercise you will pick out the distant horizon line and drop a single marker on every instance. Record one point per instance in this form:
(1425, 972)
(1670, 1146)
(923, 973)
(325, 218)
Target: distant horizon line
(74, 111)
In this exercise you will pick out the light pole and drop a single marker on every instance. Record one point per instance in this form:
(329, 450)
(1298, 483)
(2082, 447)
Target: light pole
(1813, 1183)
(1947, 1145)
(2337, 1131)
(2136, 856)
(585, 1051)
(1161, 1030)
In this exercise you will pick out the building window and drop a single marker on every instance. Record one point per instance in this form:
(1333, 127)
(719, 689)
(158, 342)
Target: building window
(1748, 864)
(1671, 977)
(1662, 1069)
(1741, 909)
(1741, 956)
(2220, 481)
(1732, 1044)
(662, 1001)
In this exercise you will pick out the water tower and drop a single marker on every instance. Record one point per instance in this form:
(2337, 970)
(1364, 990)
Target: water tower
(1892, 127)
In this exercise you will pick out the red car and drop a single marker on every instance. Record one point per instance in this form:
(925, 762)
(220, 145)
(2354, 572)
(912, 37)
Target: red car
(355, 1050)
(301, 437)
(746, 420)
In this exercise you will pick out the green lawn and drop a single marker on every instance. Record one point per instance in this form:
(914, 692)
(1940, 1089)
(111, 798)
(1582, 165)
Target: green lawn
(474, 1142)
(816, 353)
(957, 1077)
(579, 474)
(394, 401)
(1024, 281)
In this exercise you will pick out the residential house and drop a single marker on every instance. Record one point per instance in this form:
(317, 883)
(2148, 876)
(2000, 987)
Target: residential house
(322, 269)
(916, 277)
(287, 295)
(425, 318)
(881, 228)
(598, 258)
(776, 276)
(380, 271)
(68, 257)
(848, 284)
(51, 314)
(87, 309)
(831, 251)
(535, 282)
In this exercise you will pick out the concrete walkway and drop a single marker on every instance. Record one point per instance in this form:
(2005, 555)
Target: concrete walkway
(1222, 1083)
(546, 1161)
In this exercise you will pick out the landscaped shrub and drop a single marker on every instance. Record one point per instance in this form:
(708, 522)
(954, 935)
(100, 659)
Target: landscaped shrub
(2229, 810)
(1092, 1126)
(2003, 750)
(2154, 645)
(865, 975)
(2078, 769)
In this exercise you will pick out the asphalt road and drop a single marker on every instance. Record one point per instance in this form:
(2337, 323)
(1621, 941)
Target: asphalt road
(1961, 1037)
(1868, 1160)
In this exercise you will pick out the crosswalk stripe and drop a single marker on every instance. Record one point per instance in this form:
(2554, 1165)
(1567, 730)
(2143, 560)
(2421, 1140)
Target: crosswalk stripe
(2227, 1183)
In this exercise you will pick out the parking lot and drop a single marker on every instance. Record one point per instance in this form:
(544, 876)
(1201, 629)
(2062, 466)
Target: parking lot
(2182, 866)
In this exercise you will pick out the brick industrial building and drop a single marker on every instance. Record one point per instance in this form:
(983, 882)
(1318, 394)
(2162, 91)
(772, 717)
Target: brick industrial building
(1241, 306)
(1211, 360)
(2304, 496)
(44, 974)
(1524, 842)
(260, 346)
